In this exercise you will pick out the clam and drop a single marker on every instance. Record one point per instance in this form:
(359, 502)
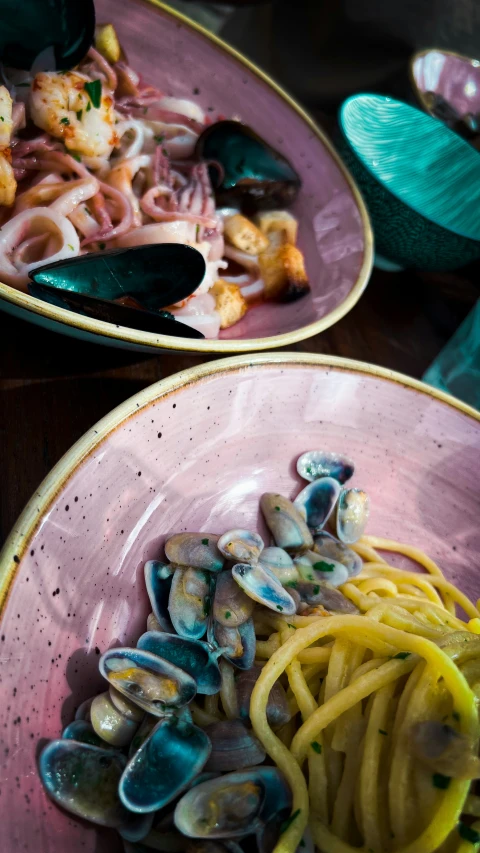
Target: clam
(84, 780)
(238, 644)
(192, 656)
(143, 732)
(233, 747)
(155, 276)
(190, 602)
(231, 606)
(127, 708)
(313, 567)
(153, 624)
(158, 580)
(317, 501)
(325, 595)
(285, 522)
(241, 545)
(137, 828)
(195, 550)
(322, 463)
(278, 713)
(327, 546)
(234, 805)
(252, 173)
(353, 509)
(83, 710)
(280, 563)
(152, 683)
(166, 764)
(109, 724)
(269, 835)
(83, 732)
(261, 585)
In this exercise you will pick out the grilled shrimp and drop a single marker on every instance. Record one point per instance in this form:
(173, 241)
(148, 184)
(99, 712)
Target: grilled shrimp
(60, 104)
(6, 121)
(8, 184)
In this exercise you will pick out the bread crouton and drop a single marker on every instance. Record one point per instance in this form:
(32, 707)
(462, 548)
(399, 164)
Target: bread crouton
(271, 221)
(106, 42)
(229, 302)
(244, 235)
(283, 272)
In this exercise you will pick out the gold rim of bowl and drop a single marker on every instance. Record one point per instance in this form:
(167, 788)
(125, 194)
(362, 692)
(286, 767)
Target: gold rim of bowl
(33, 514)
(167, 342)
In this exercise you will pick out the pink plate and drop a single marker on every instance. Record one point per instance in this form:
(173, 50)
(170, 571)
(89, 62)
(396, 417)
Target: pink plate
(335, 233)
(195, 452)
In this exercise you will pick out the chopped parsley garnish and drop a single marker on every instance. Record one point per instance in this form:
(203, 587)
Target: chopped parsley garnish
(94, 92)
(279, 607)
(101, 245)
(291, 626)
(79, 114)
(468, 834)
(65, 120)
(204, 541)
(310, 577)
(440, 781)
(401, 656)
(292, 584)
(316, 589)
(277, 508)
(287, 823)
(2, 118)
(456, 716)
(159, 139)
(317, 747)
(382, 732)
(227, 614)
(88, 107)
(322, 566)
(145, 111)
(70, 246)
(77, 158)
(22, 85)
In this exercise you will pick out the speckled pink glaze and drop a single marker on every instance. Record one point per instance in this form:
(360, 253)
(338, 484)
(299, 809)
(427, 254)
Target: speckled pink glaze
(198, 458)
(455, 78)
(185, 63)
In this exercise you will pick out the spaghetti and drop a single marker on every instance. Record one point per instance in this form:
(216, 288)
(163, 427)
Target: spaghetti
(349, 758)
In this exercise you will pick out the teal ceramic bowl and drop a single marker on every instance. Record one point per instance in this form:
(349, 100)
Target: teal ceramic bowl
(420, 181)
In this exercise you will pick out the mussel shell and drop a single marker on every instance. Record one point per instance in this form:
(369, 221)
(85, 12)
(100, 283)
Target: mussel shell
(325, 595)
(158, 322)
(238, 644)
(233, 747)
(158, 580)
(233, 805)
(254, 174)
(231, 605)
(279, 562)
(241, 546)
(109, 724)
(278, 713)
(190, 601)
(313, 567)
(261, 585)
(353, 509)
(317, 501)
(193, 656)
(152, 683)
(156, 275)
(84, 780)
(83, 732)
(285, 522)
(195, 550)
(166, 763)
(322, 463)
(61, 34)
(327, 546)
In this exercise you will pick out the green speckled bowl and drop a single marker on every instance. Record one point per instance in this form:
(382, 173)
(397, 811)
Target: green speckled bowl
(421, 182)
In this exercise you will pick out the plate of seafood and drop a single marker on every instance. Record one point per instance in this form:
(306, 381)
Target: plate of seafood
(259, 632)
(163, 193)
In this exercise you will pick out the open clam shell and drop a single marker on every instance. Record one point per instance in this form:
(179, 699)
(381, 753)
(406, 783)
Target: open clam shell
(317, 501)
(313, 567)
(280, 563)
(241, 546)
(238, 644)
(158, 581)
(152, 683)
(233, 747)
(353, 509)
(83, 732)
(332, 549)
(261, 585)
(192, 656)
(195, 550)
(189, 602)
(109, 724)
(322, 463)
(231, 605)
(286, 524)
(277, 707)
(166, 763)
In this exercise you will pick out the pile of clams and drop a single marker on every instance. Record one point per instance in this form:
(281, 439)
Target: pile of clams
(153, 756)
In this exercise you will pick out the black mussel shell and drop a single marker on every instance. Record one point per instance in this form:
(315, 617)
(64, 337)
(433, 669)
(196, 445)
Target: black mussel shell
(155, 275)
(53, 34)
(252, 173)
(158, 322)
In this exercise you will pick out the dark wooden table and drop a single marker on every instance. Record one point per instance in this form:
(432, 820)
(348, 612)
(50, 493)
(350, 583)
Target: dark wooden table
(53, 388)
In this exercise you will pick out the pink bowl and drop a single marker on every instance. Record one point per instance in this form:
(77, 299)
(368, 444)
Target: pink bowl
(335, 235)
(456, 78)
(195, 451)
